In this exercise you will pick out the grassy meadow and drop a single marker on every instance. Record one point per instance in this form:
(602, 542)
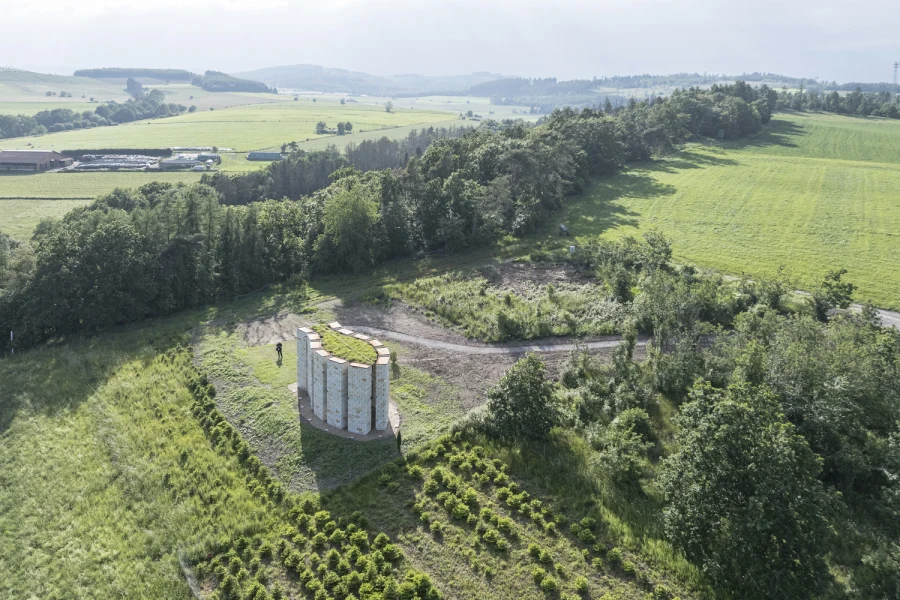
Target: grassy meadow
(811, 193)
(19, 217)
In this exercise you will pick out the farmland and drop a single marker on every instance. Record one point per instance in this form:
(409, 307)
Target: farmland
(812, 193)
(242, 127)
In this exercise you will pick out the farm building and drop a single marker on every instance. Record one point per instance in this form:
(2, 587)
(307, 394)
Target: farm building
(264, 156)
(182, 161)
(32, 161)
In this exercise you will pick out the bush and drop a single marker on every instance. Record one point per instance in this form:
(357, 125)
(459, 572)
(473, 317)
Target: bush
(581, 584)
(549, 585)
(437, 527)
(538, 574)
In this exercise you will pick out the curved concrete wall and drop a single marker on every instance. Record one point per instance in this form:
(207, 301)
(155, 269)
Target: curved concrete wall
(350, 396)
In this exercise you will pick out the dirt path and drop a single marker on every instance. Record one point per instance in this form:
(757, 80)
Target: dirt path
(473, 348)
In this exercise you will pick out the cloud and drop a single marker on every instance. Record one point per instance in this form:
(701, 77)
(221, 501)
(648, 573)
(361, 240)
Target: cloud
(563, 38)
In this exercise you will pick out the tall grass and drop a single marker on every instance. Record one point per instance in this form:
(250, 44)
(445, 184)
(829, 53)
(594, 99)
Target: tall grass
(490, 313)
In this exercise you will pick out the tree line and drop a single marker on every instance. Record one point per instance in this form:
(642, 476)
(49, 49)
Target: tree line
(161, 248)
(146, 105)
(857, 102)
(122, 73)
(216, 81)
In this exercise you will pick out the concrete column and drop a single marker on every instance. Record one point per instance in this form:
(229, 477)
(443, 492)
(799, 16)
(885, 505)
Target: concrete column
(319, 382)
(302, 359)
(313, 343)
(382, 390)
(359, 398)
(336, 404)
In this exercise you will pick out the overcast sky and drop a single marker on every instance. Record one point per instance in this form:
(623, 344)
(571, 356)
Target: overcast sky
(567, 39)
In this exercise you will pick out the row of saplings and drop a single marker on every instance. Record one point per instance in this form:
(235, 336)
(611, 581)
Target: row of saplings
(322, 558)
(318, 557)
(453, 488)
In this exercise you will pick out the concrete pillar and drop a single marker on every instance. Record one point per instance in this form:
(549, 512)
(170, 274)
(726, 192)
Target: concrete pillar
(319, 382)
(382, 390)
(359, 398)
(336, 403)
(313, 343)
(302, 359)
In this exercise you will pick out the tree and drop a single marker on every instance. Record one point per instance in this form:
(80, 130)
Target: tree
(833, 293)
(134, 87)
(744, 499)
(342, 101)
(192, 109)
(521, 404)
(348, 126)
(340, 128)
(388, 106)
(321, 127)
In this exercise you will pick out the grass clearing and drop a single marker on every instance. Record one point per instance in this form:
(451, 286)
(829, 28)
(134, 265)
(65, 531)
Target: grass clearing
(346, 347)
(812, 193)
(254, 396)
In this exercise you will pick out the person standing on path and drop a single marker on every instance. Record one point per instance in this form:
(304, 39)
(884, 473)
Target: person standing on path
(278, 350)
(399, 442)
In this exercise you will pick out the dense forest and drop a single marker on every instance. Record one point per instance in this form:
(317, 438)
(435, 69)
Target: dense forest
(858, 102)
(145, 105)
(303, 173)
(762, 433)
(124, 73)
(159, 249)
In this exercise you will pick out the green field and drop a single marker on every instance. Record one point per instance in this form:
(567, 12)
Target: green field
(82, 185)
(18, 217)
(242, 127)
(812, 193)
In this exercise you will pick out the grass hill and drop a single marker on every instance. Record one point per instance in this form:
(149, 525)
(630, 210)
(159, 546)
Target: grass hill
(811, 193)
(316, 78)
(25, 86)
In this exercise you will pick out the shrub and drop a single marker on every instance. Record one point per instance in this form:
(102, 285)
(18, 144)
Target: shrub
(437, 527)
(549, 585)
(319, 540)
(614, 556)
(491, 536)
(628, 567)
(534, 550)
(581, 584)
(538, 574)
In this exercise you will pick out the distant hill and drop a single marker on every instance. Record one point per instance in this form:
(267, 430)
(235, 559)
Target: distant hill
(315, 78)
(211, 81)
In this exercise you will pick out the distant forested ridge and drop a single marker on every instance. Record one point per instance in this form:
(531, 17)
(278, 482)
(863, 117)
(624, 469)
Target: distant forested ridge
(147, 105)
(215, 81)
(123, 73)
(315, 78)
(858, 102)
(156, 250)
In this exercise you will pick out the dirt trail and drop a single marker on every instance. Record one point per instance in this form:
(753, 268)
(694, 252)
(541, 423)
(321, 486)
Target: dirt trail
(538, 347)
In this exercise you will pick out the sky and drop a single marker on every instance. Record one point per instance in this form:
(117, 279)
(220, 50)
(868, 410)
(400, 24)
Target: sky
(566, 39)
